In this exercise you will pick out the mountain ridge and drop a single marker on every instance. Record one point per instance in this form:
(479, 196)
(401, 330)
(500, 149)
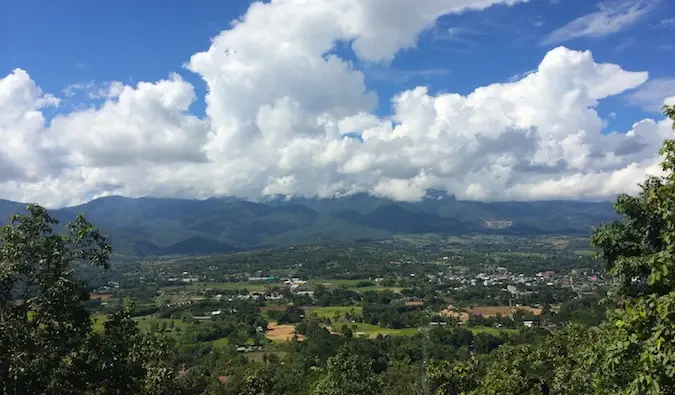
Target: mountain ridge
(150, 226)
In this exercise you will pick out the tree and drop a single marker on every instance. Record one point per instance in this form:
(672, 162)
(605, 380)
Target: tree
(639, 337)
(403, 379)
(447, 378)
(47, 343)
(348, 373)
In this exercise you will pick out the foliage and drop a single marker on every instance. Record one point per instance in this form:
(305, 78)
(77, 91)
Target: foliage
(346, 374)
(47, 344)
(640, 335)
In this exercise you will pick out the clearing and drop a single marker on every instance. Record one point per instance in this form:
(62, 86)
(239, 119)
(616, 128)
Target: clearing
(329, 311)
(276, 332)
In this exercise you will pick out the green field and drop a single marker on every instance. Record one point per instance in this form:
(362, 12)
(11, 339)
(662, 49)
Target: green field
(336, 282)
(351, 284)
(374, 330)
(376, 288)
(220, 342)
(492, 331)
(329, 311)
(229, 286)
(97, 321)
(144, 323)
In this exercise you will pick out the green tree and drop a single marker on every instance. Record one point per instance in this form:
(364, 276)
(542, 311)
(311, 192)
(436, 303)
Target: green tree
(403, 379)
(639, 337)
(347, 374)
(47, 344)
(446, 378)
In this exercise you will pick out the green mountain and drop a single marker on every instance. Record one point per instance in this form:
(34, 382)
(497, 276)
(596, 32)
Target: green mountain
(159, 226)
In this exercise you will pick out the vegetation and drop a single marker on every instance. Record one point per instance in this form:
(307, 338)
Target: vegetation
(47, 342)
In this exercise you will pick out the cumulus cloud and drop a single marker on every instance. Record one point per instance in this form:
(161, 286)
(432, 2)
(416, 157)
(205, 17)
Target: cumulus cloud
(282, 109)
(608, 19)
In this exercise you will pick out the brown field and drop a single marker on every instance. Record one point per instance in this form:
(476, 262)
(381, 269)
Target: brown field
(462, 316)
(414, 303)
(486, 311)
(277, 332)
(99, 296)
(273, 308)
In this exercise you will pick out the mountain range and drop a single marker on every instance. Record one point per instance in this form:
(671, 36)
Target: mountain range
(165, 226)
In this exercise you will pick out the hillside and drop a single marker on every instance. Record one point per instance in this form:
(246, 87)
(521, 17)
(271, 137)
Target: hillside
(159, 226)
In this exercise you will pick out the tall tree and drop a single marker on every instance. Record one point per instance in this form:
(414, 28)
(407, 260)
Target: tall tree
(47, 344)
(639, 357)
(348, 373)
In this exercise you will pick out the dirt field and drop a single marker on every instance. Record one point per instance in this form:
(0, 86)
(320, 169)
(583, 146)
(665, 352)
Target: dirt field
(462, 316)
(486, 311)
(277, 332)
(273, 308)
(99, 296)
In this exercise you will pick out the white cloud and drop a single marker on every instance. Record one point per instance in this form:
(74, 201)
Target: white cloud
(652, 94)
(23, 156)
(608, 19)
(144, 124)
(93, 90)
(279, 104)
(667, 23)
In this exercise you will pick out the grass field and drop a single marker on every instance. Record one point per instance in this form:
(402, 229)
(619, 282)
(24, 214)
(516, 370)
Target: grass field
(352, 285)
(521, 254)
(492, 331)
(144, 323)
(220, 342)
(374, 330)
(375, 288)
(336, 282)
(97, 321)
(251, 286)
(329, 311)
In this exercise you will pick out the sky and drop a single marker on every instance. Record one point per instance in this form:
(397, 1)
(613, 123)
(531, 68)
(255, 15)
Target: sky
(487, 99)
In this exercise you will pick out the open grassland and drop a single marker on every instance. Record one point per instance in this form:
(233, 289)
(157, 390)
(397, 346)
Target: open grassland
(492, 331)
(374, 330)
(144, 323)
(336, 282)
(329, 311)
(376, 288)
(225, 286)
(223, 342)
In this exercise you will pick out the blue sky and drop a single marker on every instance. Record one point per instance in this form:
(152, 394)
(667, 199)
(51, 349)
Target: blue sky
(63, 43)
(75, 50)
